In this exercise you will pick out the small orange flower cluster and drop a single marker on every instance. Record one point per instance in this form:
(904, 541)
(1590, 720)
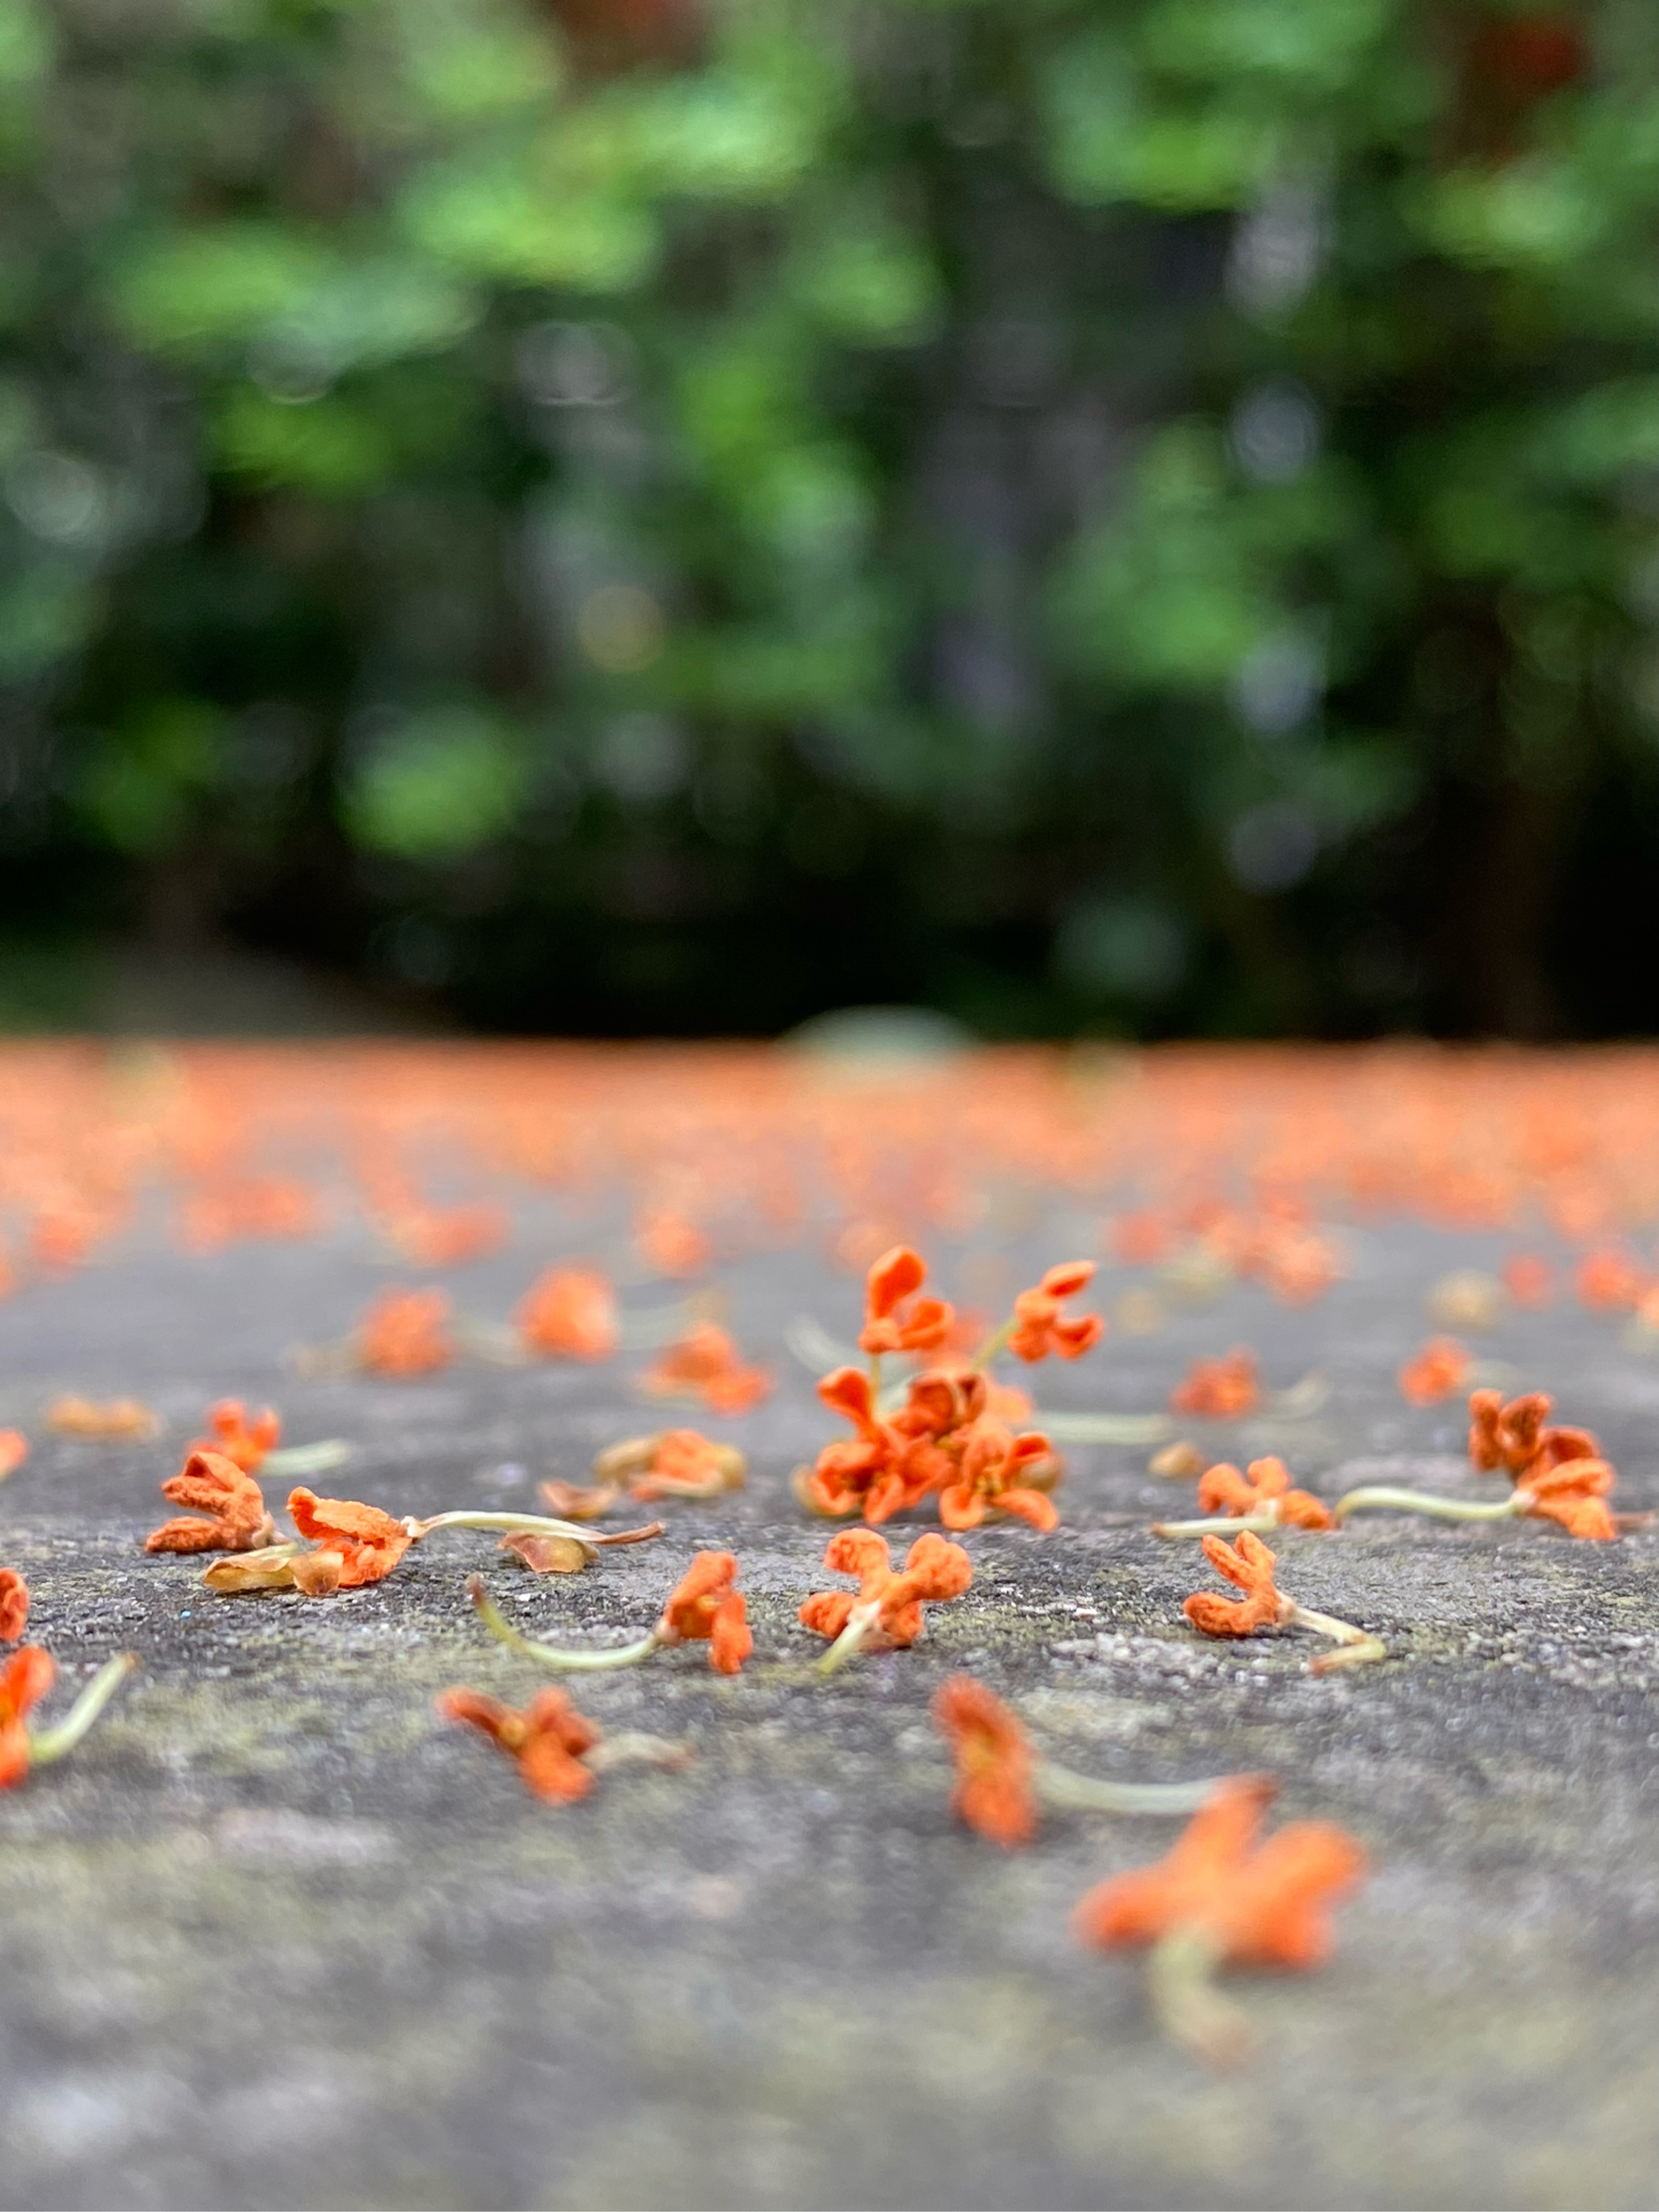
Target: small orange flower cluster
(405, 1333)
(116, 1422)
(673, 1463)
(246, 1443)
(945, 1441)
(1437, 1370)
(1222, 1390)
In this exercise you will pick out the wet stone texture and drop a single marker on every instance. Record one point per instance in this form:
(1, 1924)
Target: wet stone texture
(278, 1937)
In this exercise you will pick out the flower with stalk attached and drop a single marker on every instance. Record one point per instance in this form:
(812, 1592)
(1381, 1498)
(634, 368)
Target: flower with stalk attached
(1039, 1325)
(569, 1313)
(895, 1318)
(1002, 1784)
(1249, 1565)
(226, 1508)
(1219, 1390)
(886, 1613)
(1001, 1475)
(25, 1679)
(1224, 1898)
(357, 1544)
(558, 1751)
(1259, 1499)
(1557, 1473)
(673, 1463)
(14, 1604)
(704, 1606)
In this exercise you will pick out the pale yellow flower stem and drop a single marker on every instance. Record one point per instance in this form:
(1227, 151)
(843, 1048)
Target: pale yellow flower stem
(1259, 1524)
(1186, 2002)
(50, 1743)
(994, 1344)
(851, 1641)
(307, 1459)
(1081, 1793)
(545, 1655)
(1381, 1497)
(1359, 1647)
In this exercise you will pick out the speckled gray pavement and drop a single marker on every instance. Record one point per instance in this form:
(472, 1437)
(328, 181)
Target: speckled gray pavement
(278, 1937)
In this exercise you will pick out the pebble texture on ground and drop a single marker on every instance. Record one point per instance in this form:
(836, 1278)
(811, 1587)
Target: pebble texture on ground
(276, 1937)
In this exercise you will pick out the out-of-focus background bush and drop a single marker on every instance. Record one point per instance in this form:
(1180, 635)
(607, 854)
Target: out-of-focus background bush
(1114, 516)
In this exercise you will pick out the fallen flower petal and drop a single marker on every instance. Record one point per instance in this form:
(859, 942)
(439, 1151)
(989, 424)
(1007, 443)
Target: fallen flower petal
(248, 1443)
(117, 1421)
(226, 1508)
(1223, 1898)
(1249, 1564)
(704, 1363)
(887, 1612)
(1219, 1390)
(993, 1793)
(546, 1740)
(404, 1334)
(14, 1450)
(1259, 1499)
(575, 1501)
(673, 1463)
(1434, 1372)
(25, 1679)
(369, 1543)
(1039, 1326)
(895, 1319)
(547, 1555)
(14, 1604)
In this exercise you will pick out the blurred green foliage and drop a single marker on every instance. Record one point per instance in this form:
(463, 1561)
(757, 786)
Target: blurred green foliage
(618, 513)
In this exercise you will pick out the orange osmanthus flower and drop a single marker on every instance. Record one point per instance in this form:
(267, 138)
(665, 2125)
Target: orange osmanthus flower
(14, 1604)
(1222, 1898)
(14, 1450)
(25, 1679)
(1434, 1372)
(236, 1437)
(546, 1740)
(569, 1313)
(1528, 1279)
(114, 1422)
(994, 1793)
(1249, 1565)
(368, 1543)
(1571, 1494)
(891, 1324)
(886, 1612)
(1264, 1489)
(1000, 1473)
(872, 1471)
(576, 1501)
(673, 1463)
(672, 1242)
(705, 1363)
(1040, 1327)
(226, 1508)
(405, 1333)
(705, 1608)
(1219, 1390)
(1610, 1278)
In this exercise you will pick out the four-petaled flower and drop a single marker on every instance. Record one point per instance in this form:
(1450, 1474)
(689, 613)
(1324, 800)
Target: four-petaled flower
(995, 1792)
(25, 1678)
(885, 1613)
(1222, 1898)
(1434, 1372)
(891, 1324)
(14, 1604)
(704, 1607)
(876, 1469)
(705, 1363)
(569, 1313)
(405, 1333)
(237, 1438)
(1039, 1325)
(1219, 1390)
(1000, 1473)
(1249, 1564)
(546, 1740)
(226, 1508)
(1264, 1489)
(1519, 1437)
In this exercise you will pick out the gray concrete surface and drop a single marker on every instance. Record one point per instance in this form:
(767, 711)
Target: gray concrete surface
(277, 1937)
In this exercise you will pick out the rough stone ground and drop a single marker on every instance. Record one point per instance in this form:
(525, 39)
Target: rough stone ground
(277, 1937)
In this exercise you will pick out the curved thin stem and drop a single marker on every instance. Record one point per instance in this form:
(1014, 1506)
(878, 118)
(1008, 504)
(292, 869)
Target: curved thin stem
(546, 1654)
(1081, 1793)
(849, 1642)
(1189, 2007)
(994, 1344)
(1359, 1647)
(50, 1743)
(529, 1524)
(1105, 1428)
(1259, 1524)
(1385, 1497)
(307, 1459)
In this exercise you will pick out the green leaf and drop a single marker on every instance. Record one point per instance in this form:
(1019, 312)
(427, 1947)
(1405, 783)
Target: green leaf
(444, 783)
